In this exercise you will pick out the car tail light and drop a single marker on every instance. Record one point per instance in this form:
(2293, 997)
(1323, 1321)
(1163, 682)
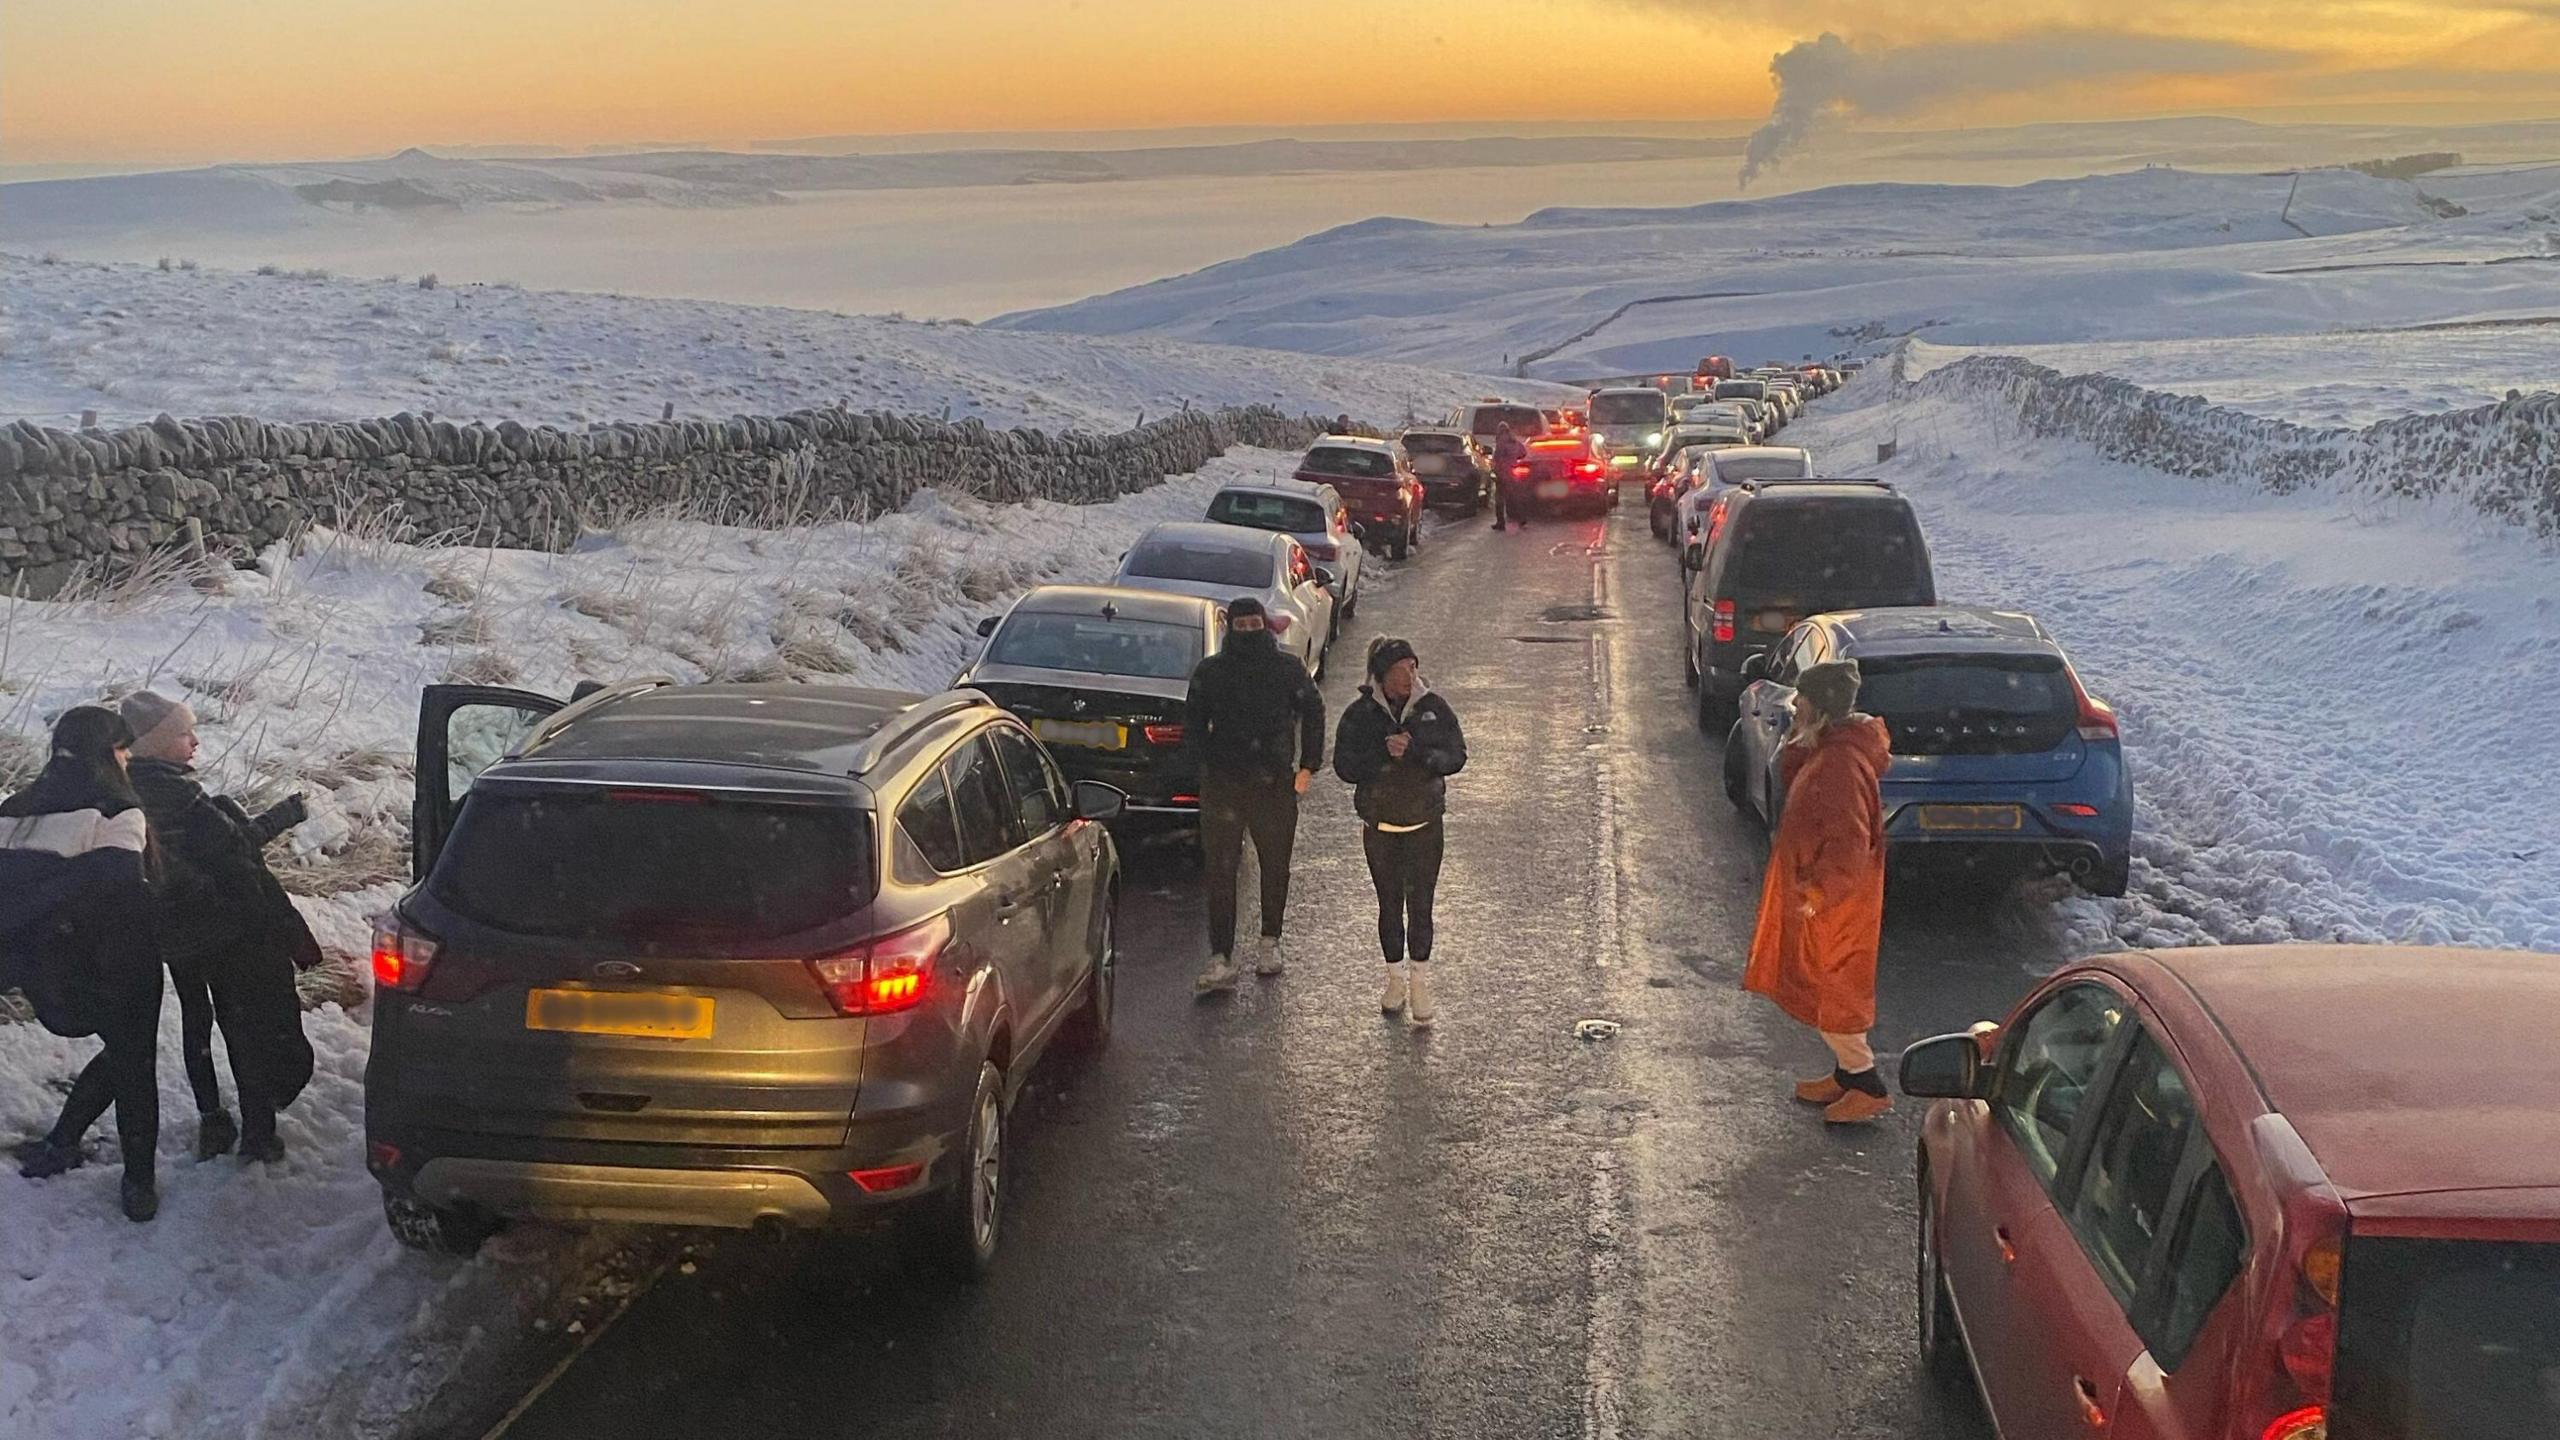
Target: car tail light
(2097, 717)
(886, 1178)
(402, 954)
(1587, 468)
(2311, 1422)
(2077, 810)
(2290, 1385)
(1162, 734)
(886, 975)
(380, 1157)
(1279, 624)
(1724, 622)
(1186, 799)
(1519, 472)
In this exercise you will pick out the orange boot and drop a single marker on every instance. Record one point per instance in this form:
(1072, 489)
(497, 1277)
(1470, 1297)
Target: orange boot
(1856, 1107)
(1821, 1092)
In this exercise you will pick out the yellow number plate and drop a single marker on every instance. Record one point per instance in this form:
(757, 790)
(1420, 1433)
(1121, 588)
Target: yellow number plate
(619, 1012)
(1092, 734)
(1970, 817)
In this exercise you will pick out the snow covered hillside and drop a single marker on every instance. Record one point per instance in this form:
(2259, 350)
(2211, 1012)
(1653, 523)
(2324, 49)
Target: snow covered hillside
(132, 341)
(271, 1301)
(2153, 253)
(2330, 703)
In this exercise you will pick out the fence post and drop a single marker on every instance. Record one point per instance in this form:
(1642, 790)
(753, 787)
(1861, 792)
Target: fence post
(1885, 449)
(669, 412)
(88, 418)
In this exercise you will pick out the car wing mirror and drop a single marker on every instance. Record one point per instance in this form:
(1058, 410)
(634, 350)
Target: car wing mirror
(1097, 801)
(987, 626)
(1946, 1067)
(1695, 554)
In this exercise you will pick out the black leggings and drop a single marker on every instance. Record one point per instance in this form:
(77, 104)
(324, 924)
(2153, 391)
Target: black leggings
(1405, 866)
(1510, 501)
(1231, 809)
(125, 1075)
(200, 1004)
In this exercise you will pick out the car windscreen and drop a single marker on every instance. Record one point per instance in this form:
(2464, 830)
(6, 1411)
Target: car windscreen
(1969, 704)
(1741, 390)
(1435, 444)
(1264, 511)
(1230, 565)
(652, 869)
(2449, 1338)
(1523, 420)
(1738, 468)
(1632, 409)
(1115, 645)
(1345, 460)
(1812, 555)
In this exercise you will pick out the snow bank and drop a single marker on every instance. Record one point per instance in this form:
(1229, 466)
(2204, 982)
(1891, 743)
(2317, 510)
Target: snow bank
(2501, 460)
(2331, 706)
(271, 1301)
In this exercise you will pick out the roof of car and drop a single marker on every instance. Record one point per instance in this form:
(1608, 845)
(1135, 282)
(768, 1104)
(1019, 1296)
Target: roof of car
(2404, 1068)
(1210, 532)
(1768, 452)
(1937, 629)
(1626, 390)
(1159, 605)
(1294, 489)
(1819, 488)
(1452, 431)
(784, 726)
(1352, 442)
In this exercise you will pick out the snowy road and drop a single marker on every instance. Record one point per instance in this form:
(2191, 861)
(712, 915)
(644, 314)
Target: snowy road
(1280, 1217)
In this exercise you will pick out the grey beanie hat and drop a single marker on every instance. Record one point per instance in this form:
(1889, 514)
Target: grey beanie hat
(1831, 688)
(155, 719)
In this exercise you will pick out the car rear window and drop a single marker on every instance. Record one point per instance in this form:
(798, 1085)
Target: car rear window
(1345, 460)
(1741, 390)
(2448, 1338)
(1435, 444)
(1117, 645)
(1264, 511)
(1523, 420)
(1228, 565)
(653, 869)
(1969, 704)
(1762, 467)
(1828, 554)
(1645, 409)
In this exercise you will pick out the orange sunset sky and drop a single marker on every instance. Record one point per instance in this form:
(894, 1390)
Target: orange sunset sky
(186, 81)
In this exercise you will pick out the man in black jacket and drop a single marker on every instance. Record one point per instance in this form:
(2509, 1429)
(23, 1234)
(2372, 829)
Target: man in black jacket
(230, 935)
(1257, 724)
(1398, 743)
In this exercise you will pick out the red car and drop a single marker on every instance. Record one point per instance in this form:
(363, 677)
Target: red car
(2291, 1192)
(1562, 474)
(1375, 480)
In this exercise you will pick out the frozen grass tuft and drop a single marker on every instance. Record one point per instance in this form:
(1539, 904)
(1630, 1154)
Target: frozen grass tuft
(21, 756)
(470, 627)
(483, 667)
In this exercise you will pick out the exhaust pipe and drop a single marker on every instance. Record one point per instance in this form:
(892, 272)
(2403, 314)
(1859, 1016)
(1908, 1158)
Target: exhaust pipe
(2081, 866)
(772, 1229)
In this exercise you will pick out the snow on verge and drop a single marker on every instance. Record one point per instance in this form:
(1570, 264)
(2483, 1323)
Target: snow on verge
(271, 1301)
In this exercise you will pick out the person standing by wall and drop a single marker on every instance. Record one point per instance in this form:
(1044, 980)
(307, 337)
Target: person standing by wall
(1822, 906)
(229, 934)
(1398, 744)
(1257, 724)
(76, 936)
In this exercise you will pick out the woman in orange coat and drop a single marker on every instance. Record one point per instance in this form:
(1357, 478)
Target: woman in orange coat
(1822, 908)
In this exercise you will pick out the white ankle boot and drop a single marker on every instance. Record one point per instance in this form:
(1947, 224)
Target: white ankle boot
(1418, 1007)
(1267, 959)
(1394, 999)
(1221, 975)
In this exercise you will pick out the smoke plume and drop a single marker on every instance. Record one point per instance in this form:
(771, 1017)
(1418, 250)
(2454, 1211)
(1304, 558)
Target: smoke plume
(1827, 79)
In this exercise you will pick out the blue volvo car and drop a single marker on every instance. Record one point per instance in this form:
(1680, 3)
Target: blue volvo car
(2000, 755)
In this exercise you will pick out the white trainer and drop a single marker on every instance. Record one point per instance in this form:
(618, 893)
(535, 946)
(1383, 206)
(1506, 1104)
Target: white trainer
(1394, 999)
(1221, 975)
(1418, 1008)
(1267, 959)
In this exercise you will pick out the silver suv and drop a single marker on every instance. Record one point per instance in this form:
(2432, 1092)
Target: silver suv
(752, 956)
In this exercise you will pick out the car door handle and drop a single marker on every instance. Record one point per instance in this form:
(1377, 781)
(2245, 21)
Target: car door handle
(2008, 1247)
(2090, 1410)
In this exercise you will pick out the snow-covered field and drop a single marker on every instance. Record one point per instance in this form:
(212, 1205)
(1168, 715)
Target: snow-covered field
(132, 341)
(2140, 255)
(2353, 379)
(271, 1302)
(2331, 705)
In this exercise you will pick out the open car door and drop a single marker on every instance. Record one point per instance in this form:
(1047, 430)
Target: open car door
(463, 730)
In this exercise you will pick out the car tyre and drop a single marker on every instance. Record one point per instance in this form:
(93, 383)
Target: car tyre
(1091, 1027)
(964, 1221)
(1715, 716)
(436, 1229)
(1661, 525)
(2111, 879)
(1688, 664)
(1735, 787)
(1941, 1339)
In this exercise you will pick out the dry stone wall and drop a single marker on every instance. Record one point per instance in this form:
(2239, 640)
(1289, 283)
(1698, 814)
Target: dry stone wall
(2502, 460)
(106, 498)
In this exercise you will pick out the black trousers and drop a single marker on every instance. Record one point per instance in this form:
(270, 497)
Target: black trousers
(201, 1002)
(125, 1075)
(1231, 808)
(1510, 502)
(1405, 868)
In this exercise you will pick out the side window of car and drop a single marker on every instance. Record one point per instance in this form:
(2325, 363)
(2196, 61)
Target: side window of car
(2049, 1068)
(1027, 780)
(987, 827)
(2123, 1197)
(929, 824)
(1794, 654)
(2204, 1258)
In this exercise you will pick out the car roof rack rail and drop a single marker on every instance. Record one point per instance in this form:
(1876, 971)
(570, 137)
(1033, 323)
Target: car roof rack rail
(1814, 480)
(897, 729)
(587, 704)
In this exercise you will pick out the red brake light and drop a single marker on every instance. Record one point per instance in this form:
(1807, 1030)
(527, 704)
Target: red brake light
(1279, 624)
(886, 1178)
(2311, 1422)
(379, 1157)
(1519, 472)
(886, 975)
(1724, 622)
(2077, 810)
(2097, 717)
(1162, 734)
(401, 956)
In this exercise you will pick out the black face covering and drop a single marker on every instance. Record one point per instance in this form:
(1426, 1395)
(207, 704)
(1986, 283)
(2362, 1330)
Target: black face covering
(1253, 642)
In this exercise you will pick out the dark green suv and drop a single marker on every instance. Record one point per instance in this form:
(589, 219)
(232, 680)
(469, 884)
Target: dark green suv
(753, 956)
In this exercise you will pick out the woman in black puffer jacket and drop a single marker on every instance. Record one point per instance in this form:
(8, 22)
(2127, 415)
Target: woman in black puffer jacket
(1398, 744)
